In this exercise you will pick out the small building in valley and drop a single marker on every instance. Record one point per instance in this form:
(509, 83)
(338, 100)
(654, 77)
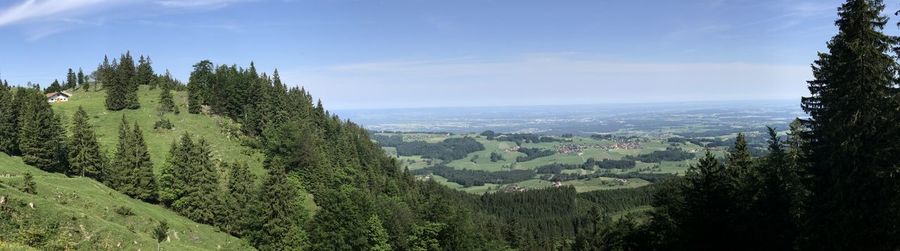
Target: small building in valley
(55, 97)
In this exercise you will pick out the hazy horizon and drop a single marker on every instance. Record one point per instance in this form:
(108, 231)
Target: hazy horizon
(406, 54)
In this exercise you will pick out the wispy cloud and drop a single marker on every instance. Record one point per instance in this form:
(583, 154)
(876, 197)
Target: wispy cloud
(37, 9)
(198, 3)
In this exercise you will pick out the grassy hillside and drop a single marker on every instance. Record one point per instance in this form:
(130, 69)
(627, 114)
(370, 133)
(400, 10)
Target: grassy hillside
(85, 214)
(106, 124)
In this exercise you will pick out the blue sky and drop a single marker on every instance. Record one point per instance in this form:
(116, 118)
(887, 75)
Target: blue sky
(422, 53)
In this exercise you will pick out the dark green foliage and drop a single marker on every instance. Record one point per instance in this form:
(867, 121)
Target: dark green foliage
(121, 83)
(28, 184)
(535, 218)
(85, 157)
(41, 136)
(853, 140)
(469, 178)
(447, 150)
(131, 170)
(71, 80)
(608, 164)
(199, 85)
(670, 154)
(190, 183)
(163, 124)
(82, 82)
(496, 157)
(104, 75)
(533, 153)
(53, 87)
(241, 199)
(166, 103)
(9, 119)
(617, 200)
(124, 211)
(279, 217)
(144, 75)
(161, 232)
(378, 236)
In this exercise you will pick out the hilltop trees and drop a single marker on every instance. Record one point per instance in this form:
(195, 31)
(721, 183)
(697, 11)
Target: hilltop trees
(241, 199)
(144, 75)
(853, 142)
(71, 80)
(54, 87)
(121, 82)
(198, 85)
(85, 157)
(166, 103)
(278, 226)
(82, 81)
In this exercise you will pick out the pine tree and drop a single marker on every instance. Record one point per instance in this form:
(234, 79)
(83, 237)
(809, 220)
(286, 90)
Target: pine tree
(378, 236)
(776, 209)
(198, 85)
(145, 75)
(279, 218)
(85, 157)
(54, 87)
(104, 74)
(708, 195)
(29, 186)
(132, 167)
(81, 80)
(116, 82)
(115, 176)
(190, 183)
(241, 198)
(853, 144)
(166, 103)
(41, 136)
(130, 78)
(9, 125)
(161, 232)
(71, 80)
(141, 176)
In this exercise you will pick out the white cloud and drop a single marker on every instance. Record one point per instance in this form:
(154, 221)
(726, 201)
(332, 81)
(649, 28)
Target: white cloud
(37, 9)
(545, 80)
(198, 3)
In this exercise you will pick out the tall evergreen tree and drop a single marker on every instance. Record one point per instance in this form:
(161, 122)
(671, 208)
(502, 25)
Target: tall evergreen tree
(85, 157)
(133, 167)
(166, 103)
(54, 87)
(81, 80)
(853, 147)
(378, 236)
(9, 125)
(117, 81)
(129, 76)
(71, 80)
(114, 177)
(190, 183)
(41, 136)
(776, 209)
(241, 198)
(279, 213)
(198, 85)
(145, 75)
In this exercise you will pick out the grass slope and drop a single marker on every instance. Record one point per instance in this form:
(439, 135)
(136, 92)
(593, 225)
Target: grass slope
(212, 128)
(85, 210)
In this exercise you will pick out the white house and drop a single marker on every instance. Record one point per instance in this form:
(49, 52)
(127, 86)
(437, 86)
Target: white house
(54, 97)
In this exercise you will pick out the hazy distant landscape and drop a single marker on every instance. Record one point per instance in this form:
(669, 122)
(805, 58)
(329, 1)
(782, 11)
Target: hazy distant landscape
(638, 119)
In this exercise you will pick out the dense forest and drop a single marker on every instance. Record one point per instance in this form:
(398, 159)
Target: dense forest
(830, 183)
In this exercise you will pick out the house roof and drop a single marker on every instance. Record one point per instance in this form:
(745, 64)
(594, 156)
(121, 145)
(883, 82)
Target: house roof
(58, 93)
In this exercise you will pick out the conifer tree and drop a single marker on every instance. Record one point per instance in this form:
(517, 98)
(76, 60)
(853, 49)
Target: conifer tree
(279, 217)
(129, 77)
(190, 183)
(853, 145)
(54, 87)
(71, 80)
(118, 167)
(81, 81)
(708, 192)
(171, 179)
(132, 167)
(29, 186)
(41, 136)
(145, 75)
(198, 85)
(241, 198)
(85, 157)
(9, 125)
(776, 209)
(378, 236)
(117, 81)
(166, 103)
